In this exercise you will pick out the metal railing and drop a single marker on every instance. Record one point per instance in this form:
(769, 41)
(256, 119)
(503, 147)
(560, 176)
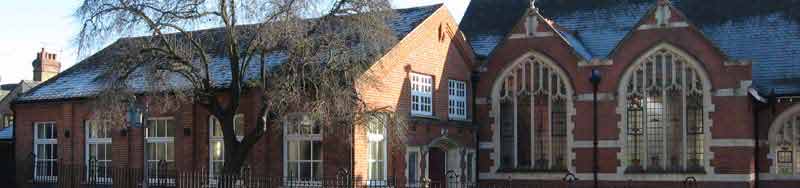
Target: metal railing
(95, 175)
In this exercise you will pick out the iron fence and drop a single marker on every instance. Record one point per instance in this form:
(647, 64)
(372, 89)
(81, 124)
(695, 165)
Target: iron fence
(99, 176)
(47, 174)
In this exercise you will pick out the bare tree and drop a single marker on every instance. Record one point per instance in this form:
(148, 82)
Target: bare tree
(324, 49)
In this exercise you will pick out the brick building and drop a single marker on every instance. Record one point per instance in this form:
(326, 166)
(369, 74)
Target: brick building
(431, 63)
(688, 90)
(673, 102)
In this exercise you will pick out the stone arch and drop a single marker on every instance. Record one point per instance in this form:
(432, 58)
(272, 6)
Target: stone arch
(705, 86)
(776, 138)
(568, 95)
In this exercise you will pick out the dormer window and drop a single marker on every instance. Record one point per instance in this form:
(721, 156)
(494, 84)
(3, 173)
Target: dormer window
(421, 94)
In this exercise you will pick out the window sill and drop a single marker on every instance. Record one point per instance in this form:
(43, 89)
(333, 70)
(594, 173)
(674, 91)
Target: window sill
(531, 170)
(430, 117)
(461, 120)
(639, 170)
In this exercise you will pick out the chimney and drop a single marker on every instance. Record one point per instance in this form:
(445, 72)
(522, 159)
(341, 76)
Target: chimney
(45, 66)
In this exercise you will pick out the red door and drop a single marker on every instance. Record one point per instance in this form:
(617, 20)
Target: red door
(436, 162)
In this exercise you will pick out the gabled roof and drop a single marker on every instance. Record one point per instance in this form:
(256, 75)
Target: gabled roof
(16, 90)
(86, 79)
(766, 32)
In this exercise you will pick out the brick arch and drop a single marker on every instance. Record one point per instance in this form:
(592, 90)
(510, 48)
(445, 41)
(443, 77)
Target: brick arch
(495, 104)
(708, 107)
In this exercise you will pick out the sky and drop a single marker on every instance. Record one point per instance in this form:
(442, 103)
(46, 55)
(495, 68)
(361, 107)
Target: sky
(30, 25)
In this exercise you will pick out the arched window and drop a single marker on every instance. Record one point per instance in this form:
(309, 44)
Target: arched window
(533, 98)
(786, 145)
(663, 98)
(216, 143)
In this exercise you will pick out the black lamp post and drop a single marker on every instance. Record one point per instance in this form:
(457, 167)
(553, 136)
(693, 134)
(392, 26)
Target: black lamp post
(595, 79)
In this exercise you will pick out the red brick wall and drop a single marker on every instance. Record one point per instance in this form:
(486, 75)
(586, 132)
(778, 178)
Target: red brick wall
(436, 47)
(731, 116)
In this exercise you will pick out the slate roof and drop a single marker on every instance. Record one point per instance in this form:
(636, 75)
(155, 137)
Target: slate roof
(85, 79)
(7, 133)
(486, 22)
(15, 90)
(766, 32)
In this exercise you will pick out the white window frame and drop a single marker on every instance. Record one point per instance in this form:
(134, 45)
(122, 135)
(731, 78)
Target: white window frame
(421, 90)
(287, 138)
(413, 182)
(52, 174)
(167, 141)
(373, 138)
(212, 123)
(96, 142)
(457, 100)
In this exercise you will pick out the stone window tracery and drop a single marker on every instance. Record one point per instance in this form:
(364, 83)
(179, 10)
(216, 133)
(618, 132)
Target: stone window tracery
(664, 115)
(787, 147)
(532, 117)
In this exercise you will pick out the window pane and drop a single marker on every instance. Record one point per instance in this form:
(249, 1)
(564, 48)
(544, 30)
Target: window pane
(412, 167)
(317, 170)
(151, 151)
(170, 152)
(151, 129)
(305, 170)
(107, 151)
(41, 152)
(170, 128)
(40, 131)
(294, 151)
(317, 152)
(101, 152)
(216, 130)
(381, 150)
(216, 150)
(305, 150)
(92, 152)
